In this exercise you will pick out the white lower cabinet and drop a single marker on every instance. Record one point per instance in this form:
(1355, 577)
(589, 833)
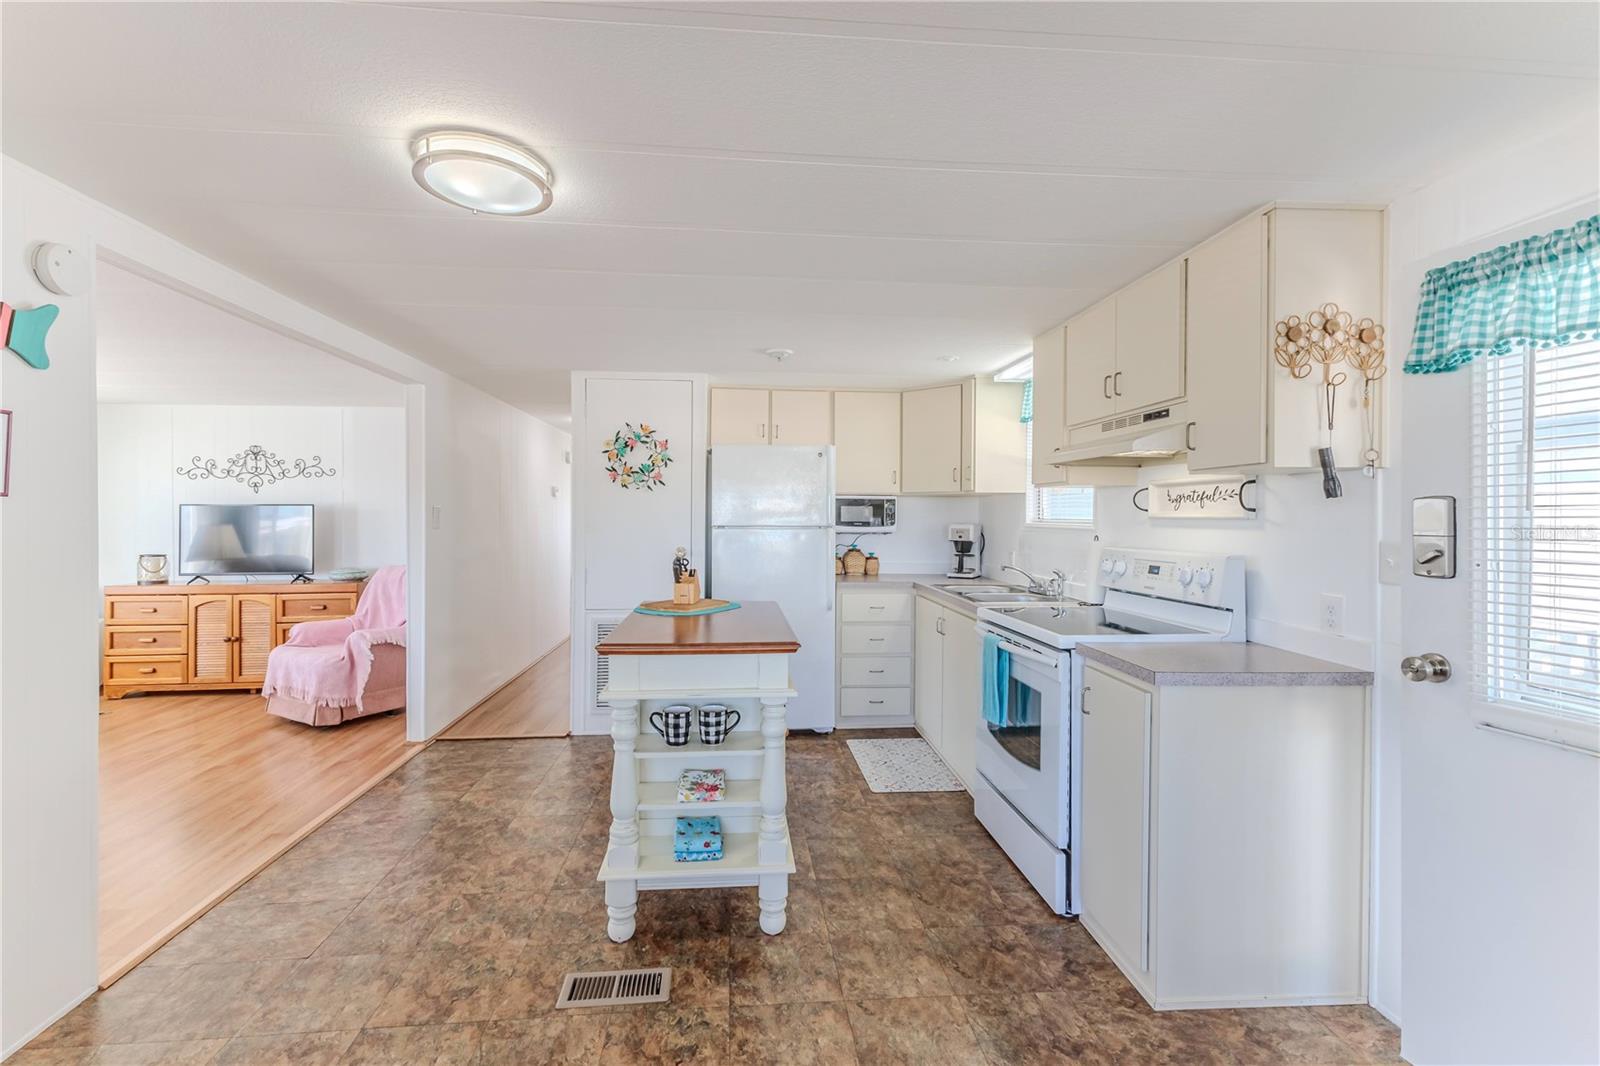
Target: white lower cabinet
(949, 689)
(874, 667)
(1223, 843)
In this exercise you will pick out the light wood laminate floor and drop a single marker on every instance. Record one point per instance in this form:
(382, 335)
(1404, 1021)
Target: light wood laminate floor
(535, 703)
(432, 922)
(199, 791)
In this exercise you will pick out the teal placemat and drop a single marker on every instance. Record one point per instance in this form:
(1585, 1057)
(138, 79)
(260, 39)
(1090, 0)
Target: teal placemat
(687, 614)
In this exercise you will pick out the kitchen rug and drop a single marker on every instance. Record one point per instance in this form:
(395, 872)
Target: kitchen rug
(903, 764)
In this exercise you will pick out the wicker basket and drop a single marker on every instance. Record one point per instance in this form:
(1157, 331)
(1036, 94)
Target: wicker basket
(855, 562)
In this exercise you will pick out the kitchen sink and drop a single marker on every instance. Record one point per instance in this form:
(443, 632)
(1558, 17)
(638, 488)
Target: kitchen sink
(1009, 597)
(967, 589)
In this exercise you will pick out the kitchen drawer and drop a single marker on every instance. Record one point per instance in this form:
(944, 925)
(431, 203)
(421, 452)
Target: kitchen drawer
(874, 670)
(874, 702)
(171, 670)
(303, 607)
(875, 640)
(147, 640)
(875, 606)
(146, 610)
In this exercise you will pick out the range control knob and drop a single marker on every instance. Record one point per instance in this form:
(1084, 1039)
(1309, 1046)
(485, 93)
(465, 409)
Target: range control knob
(1105, 565)
(1119, 568)
(1203, 578)
(1185, 575)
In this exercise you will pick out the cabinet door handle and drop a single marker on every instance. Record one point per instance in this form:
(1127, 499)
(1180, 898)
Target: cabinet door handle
(761, 430)
(1106, 387)
(955, 474)
(1116, 383)
(775, 428)
(938, 625)
(1188, 437)
(1083, 705)
(894, 477)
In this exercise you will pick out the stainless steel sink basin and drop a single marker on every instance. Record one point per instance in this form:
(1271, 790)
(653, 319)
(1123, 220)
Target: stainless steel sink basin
(966, 589)
(1009, 597)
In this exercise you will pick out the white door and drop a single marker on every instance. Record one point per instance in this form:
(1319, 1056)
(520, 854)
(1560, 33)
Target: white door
(739, 416)
(1500, 867)
(1091, 363)
(963, 695)
(929, 671)
(1150, 340)
(802, 417)
(931, 439)
(1115, 848)
(866, 437)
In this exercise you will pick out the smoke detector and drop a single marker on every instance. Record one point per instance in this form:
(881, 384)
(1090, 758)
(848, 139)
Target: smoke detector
(779, 355)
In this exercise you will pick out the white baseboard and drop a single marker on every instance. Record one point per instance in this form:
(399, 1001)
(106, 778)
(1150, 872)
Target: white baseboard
(6, 1053)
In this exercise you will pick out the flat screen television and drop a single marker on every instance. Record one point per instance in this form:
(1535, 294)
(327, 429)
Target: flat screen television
(245, 538)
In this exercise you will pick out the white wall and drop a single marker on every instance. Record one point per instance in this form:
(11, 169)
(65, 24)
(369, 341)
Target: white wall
(469, 457)
(360, 506)
(919, 544)
(1497, 955)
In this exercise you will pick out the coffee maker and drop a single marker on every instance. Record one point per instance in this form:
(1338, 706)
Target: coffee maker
(967, 540)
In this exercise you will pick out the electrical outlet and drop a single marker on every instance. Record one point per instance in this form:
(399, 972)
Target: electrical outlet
(1332, 613)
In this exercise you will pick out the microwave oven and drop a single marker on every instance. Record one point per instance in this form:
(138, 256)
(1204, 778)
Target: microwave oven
(864, 514)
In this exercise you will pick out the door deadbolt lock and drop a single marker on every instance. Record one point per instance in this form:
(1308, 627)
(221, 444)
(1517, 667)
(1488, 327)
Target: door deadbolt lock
(1429, 666)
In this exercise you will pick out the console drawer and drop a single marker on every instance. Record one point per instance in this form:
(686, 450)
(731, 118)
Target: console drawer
(146, 610)
(303, 607)
(171, 670)
(147, 640)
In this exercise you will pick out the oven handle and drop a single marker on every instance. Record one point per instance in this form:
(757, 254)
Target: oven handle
(1049, 662)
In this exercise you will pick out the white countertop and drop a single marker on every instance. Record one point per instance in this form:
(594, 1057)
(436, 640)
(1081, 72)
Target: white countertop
(1221, 665)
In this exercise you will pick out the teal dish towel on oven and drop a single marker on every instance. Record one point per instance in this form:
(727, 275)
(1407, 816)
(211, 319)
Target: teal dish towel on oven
(996, 681)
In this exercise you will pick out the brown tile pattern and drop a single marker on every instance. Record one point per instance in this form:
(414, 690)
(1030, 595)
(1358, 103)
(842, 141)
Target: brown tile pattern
(432, 920)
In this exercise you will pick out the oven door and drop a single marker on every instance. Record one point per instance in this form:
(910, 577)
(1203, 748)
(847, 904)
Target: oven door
(1028, 763)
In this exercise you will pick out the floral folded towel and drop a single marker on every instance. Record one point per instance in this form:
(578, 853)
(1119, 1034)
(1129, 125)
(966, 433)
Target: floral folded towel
(700, 786)
(697, 840)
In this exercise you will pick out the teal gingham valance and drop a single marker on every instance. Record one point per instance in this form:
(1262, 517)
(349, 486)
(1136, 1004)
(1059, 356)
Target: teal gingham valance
(1027, 400)
(1539, 293)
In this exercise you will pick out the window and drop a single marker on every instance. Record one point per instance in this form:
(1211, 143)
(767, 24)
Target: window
(1536, 487)
(1058, 505)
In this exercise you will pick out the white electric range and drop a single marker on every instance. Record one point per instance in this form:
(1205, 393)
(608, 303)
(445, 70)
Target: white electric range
(1029, 777)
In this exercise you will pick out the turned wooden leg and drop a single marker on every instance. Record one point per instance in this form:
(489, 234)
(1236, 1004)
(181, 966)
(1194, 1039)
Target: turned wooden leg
(622, 902)
(772, 845)
(773, 892)
(622, 853)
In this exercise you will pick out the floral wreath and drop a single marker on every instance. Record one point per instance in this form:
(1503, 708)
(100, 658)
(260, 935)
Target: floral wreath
(637, 458)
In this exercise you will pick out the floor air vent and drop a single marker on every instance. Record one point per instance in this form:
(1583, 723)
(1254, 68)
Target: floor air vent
(615, 988)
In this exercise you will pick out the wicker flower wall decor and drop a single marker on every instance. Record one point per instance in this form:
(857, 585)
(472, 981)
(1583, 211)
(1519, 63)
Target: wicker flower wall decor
(636, 458)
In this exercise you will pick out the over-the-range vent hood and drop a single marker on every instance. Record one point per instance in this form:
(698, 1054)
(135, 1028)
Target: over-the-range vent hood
(1127, 440)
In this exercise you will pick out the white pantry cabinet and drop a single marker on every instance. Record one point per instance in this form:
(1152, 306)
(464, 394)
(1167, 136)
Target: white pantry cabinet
(1224, 839)
(948, 698)
(1126, 352)
(1247, 410)
(802, 416)
(740, 416)
(866, 441)
(1049, 404)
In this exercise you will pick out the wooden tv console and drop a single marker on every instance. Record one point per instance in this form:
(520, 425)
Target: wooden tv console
(176, 638)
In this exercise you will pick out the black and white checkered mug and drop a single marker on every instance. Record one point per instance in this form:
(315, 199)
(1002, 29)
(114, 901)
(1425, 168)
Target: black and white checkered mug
(716, 722)
(674, 724)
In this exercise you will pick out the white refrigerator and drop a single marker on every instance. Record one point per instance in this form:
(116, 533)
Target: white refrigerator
(771, 518)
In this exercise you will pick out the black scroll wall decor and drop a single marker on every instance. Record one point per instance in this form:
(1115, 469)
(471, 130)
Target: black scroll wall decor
(255, 466)
(1196, 498)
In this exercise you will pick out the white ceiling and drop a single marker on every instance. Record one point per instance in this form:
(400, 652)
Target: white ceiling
(873, 185)
(156, 345)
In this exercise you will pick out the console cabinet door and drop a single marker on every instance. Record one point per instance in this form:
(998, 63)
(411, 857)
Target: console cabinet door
(253, 633)
(1116, 815)
(931, 440)
(211, 639)
(1091, 364)
(963, 695)
(802, 417)
(929, 671)
(739, 416)
(866, 440)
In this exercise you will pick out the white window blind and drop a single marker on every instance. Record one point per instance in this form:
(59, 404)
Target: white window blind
(1536, 530)
(1058, 505)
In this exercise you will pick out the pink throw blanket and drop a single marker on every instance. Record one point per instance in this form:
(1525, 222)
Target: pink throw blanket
(328, 663)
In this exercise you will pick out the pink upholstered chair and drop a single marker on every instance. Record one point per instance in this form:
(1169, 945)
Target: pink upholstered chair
(331, 671)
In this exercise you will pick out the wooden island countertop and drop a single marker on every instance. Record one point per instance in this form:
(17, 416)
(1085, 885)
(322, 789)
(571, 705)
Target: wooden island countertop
(756, 628)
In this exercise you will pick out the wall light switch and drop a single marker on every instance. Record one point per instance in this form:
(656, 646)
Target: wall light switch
(555, 492)
(1332, 613)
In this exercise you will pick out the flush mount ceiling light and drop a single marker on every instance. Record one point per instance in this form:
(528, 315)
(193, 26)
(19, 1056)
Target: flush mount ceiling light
(779, 355)
(484, 174)
(949, 359)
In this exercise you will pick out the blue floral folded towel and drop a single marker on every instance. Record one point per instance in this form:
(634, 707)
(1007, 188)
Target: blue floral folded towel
(697, 840)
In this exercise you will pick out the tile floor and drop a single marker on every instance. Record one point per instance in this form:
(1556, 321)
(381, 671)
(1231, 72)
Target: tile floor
(431, 921)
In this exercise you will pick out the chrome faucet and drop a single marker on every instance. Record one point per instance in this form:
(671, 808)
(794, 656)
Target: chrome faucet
(1034, 584)
(1056, 586)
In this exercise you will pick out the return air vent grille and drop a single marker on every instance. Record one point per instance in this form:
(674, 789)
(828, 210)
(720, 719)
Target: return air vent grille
(615, 988)
(602, 663)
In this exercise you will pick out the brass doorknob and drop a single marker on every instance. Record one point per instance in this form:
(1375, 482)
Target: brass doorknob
(1429, 666)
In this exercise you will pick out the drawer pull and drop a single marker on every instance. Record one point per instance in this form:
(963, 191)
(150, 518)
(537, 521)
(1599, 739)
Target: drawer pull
(147, 640)
(317, 606)
(147, 610)
(876, 640)
(874, 702)
(874, 671)
(147, 669)
(876, 606)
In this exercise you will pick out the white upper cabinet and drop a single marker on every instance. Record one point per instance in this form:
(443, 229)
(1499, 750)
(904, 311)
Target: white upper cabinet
(1228, 348)
(1149, 368)
(1049, 404)
(1091, 363)
(740, 416)
(802, 417)
(866, 438)
(931, 439)
(994, 442)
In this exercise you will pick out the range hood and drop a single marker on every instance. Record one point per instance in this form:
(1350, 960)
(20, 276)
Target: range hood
(1127, 440)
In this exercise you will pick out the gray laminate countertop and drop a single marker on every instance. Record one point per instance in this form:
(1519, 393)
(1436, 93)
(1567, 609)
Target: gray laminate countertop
(927, 584)
(1221, 665)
